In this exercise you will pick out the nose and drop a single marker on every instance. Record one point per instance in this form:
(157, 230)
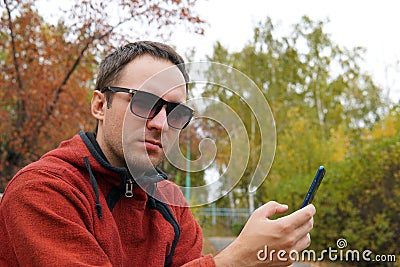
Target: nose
(159, 122)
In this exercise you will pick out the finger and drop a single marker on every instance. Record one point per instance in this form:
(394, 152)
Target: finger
(304, 229)
(269, 209)
(300, 217)
(303, 243)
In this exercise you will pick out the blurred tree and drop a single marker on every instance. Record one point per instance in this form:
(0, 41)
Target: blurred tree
(328, 112)
(317, 91)
(47, 70)
(359, 201)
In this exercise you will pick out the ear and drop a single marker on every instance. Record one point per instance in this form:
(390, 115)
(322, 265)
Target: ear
(98, 105)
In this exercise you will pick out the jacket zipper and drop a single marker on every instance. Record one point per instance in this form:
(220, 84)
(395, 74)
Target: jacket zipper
(129, 188)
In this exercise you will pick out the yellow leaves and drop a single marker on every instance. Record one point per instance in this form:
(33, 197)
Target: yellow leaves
(389, 127)
(340, 143)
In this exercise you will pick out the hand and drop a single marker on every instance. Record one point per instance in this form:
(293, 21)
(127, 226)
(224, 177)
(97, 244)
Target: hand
(262, 237)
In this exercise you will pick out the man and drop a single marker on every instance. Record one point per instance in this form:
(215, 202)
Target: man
(80, 205)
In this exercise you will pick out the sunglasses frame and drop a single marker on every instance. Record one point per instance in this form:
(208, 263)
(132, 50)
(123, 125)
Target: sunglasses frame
(169, 108)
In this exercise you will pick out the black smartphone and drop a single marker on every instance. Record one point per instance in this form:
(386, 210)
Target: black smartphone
(314, 186)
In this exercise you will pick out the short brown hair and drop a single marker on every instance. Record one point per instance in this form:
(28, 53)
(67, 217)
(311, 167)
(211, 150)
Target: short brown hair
(113, 64)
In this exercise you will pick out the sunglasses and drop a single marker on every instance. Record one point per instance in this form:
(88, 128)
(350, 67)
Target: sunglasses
(147, 105)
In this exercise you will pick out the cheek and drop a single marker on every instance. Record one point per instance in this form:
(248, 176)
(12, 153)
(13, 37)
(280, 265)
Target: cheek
(112, 122)
(133, 125)
(112, 132)
(169, 138)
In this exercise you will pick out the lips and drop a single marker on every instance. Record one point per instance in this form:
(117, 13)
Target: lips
(152, 144)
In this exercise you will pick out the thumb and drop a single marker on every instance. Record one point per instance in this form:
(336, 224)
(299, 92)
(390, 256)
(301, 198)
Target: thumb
(270, 208)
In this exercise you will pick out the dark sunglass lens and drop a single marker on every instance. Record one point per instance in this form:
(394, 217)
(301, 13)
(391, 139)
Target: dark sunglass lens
(179, 116)
(145, 105)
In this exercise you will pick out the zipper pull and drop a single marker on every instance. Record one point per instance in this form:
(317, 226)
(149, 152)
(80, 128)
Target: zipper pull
(129, 188)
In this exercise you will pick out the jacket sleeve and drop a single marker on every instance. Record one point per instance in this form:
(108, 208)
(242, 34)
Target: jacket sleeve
(188, 252)
(47, 223)
(205, 261)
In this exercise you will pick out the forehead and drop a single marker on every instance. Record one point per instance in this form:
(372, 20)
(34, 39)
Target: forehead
(154, 75)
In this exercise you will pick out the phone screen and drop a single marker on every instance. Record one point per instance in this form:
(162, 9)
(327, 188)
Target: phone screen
(314, 186)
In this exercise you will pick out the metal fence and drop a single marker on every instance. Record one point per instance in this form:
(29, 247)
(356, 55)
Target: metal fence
(230, 215)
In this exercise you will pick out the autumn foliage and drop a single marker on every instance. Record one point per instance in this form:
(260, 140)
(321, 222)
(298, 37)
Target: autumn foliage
(48, 71)
(330, 112)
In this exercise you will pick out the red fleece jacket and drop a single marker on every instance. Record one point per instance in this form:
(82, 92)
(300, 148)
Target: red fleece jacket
(48, 217)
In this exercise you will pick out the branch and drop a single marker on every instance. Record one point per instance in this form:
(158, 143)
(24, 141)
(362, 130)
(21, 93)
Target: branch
(14, 49)
(59, 90)
(20, 105)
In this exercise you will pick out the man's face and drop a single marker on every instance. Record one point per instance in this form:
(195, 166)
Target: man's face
(127, 138)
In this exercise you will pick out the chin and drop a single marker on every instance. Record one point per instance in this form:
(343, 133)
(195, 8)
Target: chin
(142, 164)
(155, 161)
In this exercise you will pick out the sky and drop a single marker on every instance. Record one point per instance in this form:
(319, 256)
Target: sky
(370, 24)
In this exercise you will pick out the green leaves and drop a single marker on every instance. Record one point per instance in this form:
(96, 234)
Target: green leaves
(328, 112)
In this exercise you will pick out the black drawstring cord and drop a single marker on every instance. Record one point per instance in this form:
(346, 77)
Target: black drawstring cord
(95, 187)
